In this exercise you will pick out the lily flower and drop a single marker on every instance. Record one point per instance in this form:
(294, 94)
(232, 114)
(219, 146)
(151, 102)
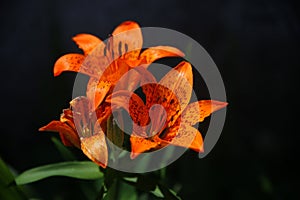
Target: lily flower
(105, 63)
(166, 117)
(82, 129)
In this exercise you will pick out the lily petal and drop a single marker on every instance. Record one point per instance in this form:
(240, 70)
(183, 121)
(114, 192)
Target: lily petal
(95, 148)
(67, 117)
(92, 65)
(129, 81)
(96, 91)
(86, 42)
(158, 117)
(103, 111)
(154, 53)
(147, 82)
(185, 136)
(133, 104)
(174, 91)
(115, 71)
(97, 61)
(84, 118)
(198, 111)
(197, 143)
(67, 134)
(140, 145)
(128, 41)
(69, 62)
(135, 77)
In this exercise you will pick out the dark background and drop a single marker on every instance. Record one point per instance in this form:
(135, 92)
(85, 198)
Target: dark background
(254, 43)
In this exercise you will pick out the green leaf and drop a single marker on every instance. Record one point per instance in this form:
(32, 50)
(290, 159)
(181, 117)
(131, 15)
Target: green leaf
(8, 190)
(119, 190)
(127, 192)
(131, 179)
(157, 192)
(92, 189)
(112, 191)
(168, 193)
(6, 176)
(63, 150)
(82, 170)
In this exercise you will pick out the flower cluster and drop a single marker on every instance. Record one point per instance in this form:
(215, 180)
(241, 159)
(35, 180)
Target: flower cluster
(116, 68)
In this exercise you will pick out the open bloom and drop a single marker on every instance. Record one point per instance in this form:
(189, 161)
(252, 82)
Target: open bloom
(104, 62)
(166, 117)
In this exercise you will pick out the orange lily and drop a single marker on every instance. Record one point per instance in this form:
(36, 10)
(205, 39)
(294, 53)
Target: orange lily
(104, 64)
(170, 123)
(83, 130)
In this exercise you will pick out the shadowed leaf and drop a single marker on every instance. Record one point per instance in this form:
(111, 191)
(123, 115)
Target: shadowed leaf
(63, 150)
(8, 190)
(82, 170)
